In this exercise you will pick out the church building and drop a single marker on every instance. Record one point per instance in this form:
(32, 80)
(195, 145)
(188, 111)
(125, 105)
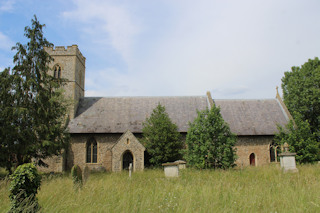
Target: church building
(106, 131)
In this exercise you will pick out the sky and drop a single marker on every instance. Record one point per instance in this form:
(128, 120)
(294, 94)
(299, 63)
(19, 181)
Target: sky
(234, 49)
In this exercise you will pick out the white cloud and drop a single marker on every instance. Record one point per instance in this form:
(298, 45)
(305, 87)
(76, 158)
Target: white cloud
(106, 24)
(7, 5)
(234, 49)
(5, 42)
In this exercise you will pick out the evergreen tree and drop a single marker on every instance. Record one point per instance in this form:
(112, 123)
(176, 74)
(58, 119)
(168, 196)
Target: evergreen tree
(161, 137)
(300, 138)
(7, 130)
(210, 143)
(34, 113)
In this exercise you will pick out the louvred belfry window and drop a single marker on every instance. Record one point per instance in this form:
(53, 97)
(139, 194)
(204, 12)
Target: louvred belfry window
(57, 71)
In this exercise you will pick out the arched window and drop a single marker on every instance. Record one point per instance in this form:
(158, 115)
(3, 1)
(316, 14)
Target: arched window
(57, 71)
(273, 152)
(252, 159)
(91, 151)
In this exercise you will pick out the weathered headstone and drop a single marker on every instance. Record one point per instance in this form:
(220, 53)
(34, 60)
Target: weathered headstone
(181, 164)
(171, 169)
(85, 174)
(288, 160)
(130, 169)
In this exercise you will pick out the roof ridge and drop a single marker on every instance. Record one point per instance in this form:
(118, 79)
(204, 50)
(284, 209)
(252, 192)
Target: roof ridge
(194, 96)
(264, 99)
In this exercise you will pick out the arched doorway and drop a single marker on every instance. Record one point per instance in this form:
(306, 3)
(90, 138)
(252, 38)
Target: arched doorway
(252, 159)
(127, 158)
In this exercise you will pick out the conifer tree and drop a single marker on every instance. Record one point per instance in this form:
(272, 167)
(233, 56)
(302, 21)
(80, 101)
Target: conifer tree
(210, 143)
(34, 120)
(161, 137)
(7, 130)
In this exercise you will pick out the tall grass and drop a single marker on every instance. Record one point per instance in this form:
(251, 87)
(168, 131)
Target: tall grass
(261, 189)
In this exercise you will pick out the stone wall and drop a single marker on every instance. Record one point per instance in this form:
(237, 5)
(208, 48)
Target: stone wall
(259, 145)
(55, 164)
(128, 142)
(109, 156)
(77, 151)
(72, 65)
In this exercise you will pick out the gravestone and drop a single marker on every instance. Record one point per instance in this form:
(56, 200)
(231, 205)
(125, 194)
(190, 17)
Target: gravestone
(85, 174)
(130, 169)
(288, 160)
(171, 169)
(181, 164)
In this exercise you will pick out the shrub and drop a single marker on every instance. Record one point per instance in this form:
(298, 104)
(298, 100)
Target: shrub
(25, 182)
(76, 175)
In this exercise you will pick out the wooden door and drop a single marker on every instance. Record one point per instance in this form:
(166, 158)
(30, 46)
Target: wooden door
(252, 159)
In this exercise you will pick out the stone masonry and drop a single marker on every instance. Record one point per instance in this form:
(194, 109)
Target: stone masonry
(72, 65)
(128, 142)
(110, 150)
(259, 145)
(77, 150)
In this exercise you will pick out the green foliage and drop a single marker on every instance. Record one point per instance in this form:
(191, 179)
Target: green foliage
(7, 130)
(300, 138)
(76, 175)
(32, 107)
(210, 143)
(25, 182)
(161, 137)
(301, 92)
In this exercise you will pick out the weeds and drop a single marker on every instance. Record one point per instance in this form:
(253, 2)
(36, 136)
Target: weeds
(261, 189)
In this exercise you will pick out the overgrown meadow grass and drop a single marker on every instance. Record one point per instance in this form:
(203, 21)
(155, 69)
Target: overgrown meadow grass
(254, 189)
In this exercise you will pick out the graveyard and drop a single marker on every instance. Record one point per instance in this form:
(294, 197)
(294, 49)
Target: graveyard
(251, 189)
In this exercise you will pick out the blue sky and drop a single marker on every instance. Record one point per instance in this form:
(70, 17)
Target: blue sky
(235, 49)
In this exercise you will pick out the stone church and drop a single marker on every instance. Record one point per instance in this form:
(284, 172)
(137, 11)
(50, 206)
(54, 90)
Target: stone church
(105, 131)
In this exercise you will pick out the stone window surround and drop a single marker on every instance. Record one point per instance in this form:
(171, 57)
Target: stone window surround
(91, 139)
(57, 70)
(255, 158)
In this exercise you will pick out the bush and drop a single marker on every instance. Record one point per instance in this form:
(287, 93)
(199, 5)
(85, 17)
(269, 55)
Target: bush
(76, 175)
(25, 182)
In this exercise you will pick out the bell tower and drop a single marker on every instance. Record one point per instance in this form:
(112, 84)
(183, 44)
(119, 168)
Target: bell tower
(69, 64)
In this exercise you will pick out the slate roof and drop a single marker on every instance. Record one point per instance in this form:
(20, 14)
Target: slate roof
(253, 117)
(119, 114)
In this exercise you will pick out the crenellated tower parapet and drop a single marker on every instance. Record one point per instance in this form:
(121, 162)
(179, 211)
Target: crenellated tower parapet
(70, 51)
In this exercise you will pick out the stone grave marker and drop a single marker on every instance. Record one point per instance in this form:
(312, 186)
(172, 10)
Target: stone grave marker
(181, 164)
(171, 169)
(288, 160)
(130, 169)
